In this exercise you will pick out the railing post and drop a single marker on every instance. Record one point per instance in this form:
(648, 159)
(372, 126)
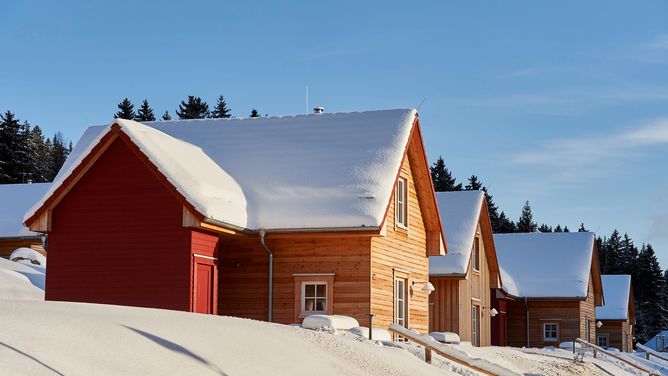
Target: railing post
(371, 315)
(594, 353)
(573, 346)
(646, 355)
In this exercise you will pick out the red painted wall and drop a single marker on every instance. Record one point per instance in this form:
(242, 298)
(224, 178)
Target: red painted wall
(499, 323)
(117, 238)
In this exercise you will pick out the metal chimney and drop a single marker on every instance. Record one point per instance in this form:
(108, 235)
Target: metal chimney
(318, 110)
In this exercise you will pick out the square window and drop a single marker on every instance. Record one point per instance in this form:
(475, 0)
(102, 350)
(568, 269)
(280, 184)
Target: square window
(314, 297)
(602, 341)
(550, 332)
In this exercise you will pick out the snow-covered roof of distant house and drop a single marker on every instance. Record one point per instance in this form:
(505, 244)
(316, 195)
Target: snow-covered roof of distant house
(460, 212)
(15, 199)
(617, 290)
(545, 265)
(332, 170)
(659, 341)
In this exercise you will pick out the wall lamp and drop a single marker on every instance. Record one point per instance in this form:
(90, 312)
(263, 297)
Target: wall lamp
(427, 287)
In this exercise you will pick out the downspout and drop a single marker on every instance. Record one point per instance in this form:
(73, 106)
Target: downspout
(526, 307)
(271, 273)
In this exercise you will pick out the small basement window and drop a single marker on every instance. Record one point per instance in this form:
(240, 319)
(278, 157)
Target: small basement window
(313, 294)
(602, 341)
(550, 331)
(401, 210)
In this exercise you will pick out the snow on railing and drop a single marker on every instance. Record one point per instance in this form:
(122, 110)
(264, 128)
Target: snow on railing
(449, 352)
(651, 352)
(597, 349)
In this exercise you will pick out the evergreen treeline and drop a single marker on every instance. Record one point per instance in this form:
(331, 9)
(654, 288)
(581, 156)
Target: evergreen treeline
(26, 155)
(617, 254)
(192, 107)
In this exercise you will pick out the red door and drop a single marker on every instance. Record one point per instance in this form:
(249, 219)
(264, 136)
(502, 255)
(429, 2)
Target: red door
(204, 288)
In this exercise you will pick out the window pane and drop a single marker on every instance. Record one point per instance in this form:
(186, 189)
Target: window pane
(321, 305)
(321, 291)
(309, 290)
(309, 304)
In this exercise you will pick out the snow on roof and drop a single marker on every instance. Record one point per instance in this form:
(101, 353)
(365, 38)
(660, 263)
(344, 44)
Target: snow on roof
(617, 290)
(545, 265)
(310, 171)
(15, 199)
(460, 212)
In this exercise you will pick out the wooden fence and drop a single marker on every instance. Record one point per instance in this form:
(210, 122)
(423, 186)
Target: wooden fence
(597, 349)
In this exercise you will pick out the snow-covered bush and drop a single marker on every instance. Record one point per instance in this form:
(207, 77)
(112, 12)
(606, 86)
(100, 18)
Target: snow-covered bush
(28, 256)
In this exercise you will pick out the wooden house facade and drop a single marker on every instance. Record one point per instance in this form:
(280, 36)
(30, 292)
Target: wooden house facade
(15, 200)
(465, 277)
(618, 315)
(551, 287)
(196, 216)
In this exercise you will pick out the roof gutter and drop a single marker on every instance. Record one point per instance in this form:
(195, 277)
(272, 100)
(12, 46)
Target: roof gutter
(370, 229)
(271, 274)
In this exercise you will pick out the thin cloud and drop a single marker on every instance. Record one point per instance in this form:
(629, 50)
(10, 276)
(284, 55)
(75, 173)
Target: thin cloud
(660, 43)
(597, 150)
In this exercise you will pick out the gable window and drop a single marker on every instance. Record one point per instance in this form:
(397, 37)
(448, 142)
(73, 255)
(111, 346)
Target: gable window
(602, 340)
(313, 294)
(401, 210)
(550, 331)
(475, 254)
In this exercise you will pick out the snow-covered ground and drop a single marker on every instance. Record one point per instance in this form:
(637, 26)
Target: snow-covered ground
(61, 338)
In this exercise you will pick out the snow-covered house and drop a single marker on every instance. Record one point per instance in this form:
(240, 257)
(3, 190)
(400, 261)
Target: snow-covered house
(618, 314)
(659, 342)
(552, 285)
(268, 218)
(465, 277)
(15, 199)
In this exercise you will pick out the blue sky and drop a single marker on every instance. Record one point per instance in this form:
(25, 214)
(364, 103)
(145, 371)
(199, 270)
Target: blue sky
(563, 104)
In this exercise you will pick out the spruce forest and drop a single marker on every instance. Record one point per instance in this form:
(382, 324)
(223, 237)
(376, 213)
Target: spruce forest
(618, 254)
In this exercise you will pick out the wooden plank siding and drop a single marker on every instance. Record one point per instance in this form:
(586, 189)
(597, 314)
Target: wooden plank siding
(243, 278)
(452, 306)
(8, 245)
(619, 334)
(588, 314)
(403, 250)
(565, 313)
(126, 228)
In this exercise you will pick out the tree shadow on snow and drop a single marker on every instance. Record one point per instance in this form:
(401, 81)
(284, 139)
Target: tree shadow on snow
(177, 348)
(31, 357)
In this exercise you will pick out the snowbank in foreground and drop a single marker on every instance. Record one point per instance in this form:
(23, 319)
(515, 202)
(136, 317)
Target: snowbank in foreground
(91, 339)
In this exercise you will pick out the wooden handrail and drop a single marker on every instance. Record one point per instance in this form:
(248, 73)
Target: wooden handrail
(431, 344)
(651, 352)
(651, 372)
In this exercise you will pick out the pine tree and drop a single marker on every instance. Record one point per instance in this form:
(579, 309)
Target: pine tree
(254, 113)
(221, 110)
(194, 108)
(506, 225)
(126, 110)
(474, 184)
(145, 113)
(582, 228)
(558, 228)
(526, 223)
(628, 255)
(566, 229)
(23, 155)
(493, 211)
(544, 228)
(442, 178)
(58, 155)
(652, 316)
(166, 116)
(39, 154)
(10, 139)
(613, 246)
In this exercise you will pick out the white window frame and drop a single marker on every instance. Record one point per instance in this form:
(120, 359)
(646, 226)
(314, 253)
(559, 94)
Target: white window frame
(401, 203)
(607, 340)
(556, 332)
(475, 324)
(316, 297)
(475, 254)
(403, 318)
